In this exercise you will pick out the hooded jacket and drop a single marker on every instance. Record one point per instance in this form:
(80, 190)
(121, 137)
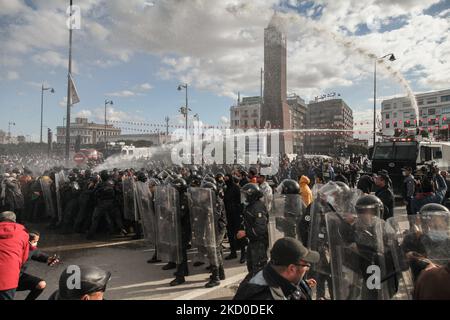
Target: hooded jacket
(14, 250)
(305, 191)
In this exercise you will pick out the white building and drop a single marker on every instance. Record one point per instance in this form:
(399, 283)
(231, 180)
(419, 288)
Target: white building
(434, 113)
(89, 132)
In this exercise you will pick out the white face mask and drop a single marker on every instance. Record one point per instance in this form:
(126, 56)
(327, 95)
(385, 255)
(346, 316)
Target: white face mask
(34, 244)
(405, 173)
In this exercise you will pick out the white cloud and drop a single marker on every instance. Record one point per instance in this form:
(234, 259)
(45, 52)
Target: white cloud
(63, 102)
(122, 94)
(12, 75)
(11, 7)
(218, 45)
(137, 90)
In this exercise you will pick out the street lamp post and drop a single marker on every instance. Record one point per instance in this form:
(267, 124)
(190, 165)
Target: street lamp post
(9, 130)
(391, 58)
(42, 105)
(186, 109)
(106, 142)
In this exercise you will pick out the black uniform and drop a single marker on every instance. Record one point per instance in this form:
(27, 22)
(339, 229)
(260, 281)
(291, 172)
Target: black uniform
(255, 223)
(106, 206)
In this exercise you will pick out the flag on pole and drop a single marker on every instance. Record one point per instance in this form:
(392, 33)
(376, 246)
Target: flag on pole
(74, 99)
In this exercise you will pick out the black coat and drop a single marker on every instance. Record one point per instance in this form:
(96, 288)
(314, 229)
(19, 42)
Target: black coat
(387, 197)
(233, 207)
(269, 285)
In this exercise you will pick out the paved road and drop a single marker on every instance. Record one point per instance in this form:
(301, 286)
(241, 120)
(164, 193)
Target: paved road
(132, 277)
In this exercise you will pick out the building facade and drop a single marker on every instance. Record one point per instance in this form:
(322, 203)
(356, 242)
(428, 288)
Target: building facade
(332, 114)
(434, 113)
(156, 138)
(246, 114)
(297, 112)
(89, 132)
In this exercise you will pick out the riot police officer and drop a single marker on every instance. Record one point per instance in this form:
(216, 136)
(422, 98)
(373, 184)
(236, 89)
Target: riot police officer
(220, 223)
(182, 269)
(254, 228)
(106, 206)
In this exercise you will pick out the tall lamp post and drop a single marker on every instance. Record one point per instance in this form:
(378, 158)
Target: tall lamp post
(9, 130)
(106, 123)
(42, 105)
(185, 110)
(391, 58)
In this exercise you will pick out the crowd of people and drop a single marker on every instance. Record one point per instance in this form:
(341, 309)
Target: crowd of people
(302, 217)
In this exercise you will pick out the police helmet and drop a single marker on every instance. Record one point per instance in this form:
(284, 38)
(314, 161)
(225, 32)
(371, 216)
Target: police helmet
(252, 192)
(289, 186)
(141, 176)
(179, 184)
(369, 204)
(209, 185)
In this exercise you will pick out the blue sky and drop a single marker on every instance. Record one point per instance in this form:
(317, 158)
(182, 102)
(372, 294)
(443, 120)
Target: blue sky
(136, 54)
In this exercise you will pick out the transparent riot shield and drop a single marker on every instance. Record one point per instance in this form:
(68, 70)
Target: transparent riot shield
(358, 258)
(46, 184)
(287, 210)
(129, 209)
(201, 209)
(435, 236)
(144, 205)
(401, 239)
(60, 180)
(167, 209)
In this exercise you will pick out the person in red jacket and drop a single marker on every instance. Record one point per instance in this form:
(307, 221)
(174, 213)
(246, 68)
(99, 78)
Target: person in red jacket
(14, 248)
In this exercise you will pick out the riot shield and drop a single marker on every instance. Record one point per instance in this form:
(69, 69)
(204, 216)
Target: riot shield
(402, 241)
(46, 183)
(167, 209)
(435, 236)
(358, 258)
(201, 208)
(60, 179)
(129, 209)
(287, 210)
(144, 205)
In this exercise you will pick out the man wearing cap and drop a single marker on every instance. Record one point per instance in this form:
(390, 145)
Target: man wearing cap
(82, 283)
(14, 249)
(282, 277)
(409, 188)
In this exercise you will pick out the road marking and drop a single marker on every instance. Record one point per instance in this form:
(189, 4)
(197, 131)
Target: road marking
(200, 292)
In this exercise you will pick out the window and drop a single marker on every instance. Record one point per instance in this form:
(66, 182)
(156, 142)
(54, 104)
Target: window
(395, 115)
(395, 124)
(446, 110)
(387, 126)
(431, 101)
(445, 98)
(431, 111)
(420, 102)
(254, 123)
(236, 113)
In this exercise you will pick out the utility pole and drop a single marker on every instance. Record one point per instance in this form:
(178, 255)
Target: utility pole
(69, 94)
(167, 119)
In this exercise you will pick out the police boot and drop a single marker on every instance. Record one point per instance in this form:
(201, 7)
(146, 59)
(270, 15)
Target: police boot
(169, 265)
(231, 256)
(154, 259)
(177, 281)
(221, 272)
(214, 279)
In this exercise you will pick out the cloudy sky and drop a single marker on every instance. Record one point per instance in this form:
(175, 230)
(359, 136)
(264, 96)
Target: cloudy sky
(136, 52)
